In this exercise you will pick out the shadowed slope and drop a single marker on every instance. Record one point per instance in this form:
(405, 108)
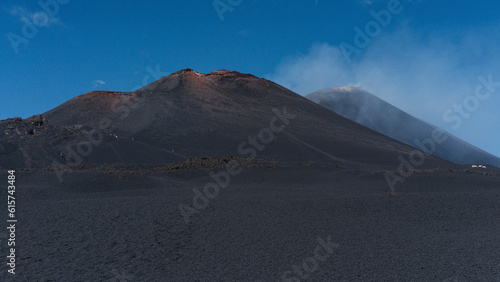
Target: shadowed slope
(373, 112)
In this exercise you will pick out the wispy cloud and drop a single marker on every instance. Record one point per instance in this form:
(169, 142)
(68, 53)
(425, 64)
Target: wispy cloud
(423, 72)
(322, 66)
(98, 83)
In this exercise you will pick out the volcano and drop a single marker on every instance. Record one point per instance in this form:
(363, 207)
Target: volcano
(366, 109)
(189, 114)
(137, 186)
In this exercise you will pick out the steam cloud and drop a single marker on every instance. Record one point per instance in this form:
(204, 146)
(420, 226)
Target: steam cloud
(423, 72)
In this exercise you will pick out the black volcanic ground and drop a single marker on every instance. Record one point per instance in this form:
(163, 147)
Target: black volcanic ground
(116, 214)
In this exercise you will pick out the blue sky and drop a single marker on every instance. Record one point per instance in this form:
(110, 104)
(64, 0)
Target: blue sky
(425, 60)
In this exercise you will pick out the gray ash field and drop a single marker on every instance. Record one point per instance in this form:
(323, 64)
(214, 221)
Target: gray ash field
(229, 177)
(442, 227)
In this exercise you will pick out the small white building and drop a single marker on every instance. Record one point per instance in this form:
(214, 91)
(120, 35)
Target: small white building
(479, 166)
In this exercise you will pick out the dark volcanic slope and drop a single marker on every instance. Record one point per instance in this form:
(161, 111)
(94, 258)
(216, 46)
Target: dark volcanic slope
(373, 112)
(189, 114)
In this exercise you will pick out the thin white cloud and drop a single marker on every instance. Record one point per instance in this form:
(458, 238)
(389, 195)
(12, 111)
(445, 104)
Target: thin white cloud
(98, 83)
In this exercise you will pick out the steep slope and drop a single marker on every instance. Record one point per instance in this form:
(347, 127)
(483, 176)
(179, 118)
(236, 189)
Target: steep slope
(366, 109)
(223, 113)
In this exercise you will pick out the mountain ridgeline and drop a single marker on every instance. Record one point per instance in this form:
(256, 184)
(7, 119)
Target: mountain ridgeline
(189, 114)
